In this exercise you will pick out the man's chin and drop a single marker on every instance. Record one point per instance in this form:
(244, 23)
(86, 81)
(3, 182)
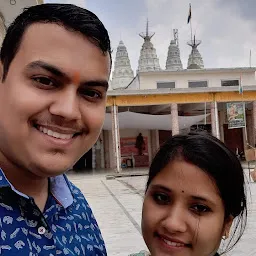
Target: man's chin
(47, 172)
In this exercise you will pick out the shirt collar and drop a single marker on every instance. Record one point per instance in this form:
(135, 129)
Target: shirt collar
(60, 188)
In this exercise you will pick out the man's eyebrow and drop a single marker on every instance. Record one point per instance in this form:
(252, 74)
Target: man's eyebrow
(48, 67)
(59, 73)
(96, 83)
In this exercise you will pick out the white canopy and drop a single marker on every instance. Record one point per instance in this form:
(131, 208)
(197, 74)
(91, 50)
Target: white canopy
(131, 120)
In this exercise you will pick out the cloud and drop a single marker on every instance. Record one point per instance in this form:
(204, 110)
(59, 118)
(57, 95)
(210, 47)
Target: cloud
(226, 28)
(226, 35)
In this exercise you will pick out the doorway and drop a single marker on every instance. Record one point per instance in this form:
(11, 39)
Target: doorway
(234, 138)
(85, 162)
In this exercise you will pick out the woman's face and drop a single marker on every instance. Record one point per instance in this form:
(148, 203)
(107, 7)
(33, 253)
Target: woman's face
(183, 213)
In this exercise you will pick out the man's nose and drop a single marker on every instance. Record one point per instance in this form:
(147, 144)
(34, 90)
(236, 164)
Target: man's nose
(66, 104)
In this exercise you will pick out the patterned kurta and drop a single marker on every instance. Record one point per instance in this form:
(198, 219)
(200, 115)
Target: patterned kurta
(66, 227)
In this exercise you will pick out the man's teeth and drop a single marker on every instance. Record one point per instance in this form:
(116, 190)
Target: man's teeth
(173, 243)
(55, 134)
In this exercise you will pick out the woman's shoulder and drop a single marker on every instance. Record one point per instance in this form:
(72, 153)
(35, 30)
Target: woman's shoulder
(141, 253)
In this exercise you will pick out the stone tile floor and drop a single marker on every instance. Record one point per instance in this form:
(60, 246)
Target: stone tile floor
(117, 204)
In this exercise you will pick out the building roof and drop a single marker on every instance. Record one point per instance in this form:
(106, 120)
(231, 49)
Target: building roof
(200, 71)
(180, 90)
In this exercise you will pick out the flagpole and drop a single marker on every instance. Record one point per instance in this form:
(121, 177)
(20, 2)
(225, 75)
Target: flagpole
(190, 21)
(191, 29)
(250, 59)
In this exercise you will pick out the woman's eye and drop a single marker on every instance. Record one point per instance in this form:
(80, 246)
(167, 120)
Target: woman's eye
(199, 208)
(44, 81)
(161, 198)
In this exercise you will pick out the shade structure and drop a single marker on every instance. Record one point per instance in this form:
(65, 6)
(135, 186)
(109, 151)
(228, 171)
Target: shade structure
(132, 120)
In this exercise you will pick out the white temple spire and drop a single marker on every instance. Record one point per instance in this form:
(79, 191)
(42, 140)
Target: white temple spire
(195, 60)
(148, 60)
(122, 74)
(173, 61)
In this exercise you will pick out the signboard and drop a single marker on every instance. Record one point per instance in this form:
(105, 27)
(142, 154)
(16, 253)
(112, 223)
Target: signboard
(236, 115)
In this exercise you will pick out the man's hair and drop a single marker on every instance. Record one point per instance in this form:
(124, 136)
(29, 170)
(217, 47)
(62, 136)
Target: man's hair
(69, 16)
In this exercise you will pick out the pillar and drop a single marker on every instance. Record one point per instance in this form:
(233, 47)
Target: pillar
(254, 121)
(157, 139)
(102, 155)
(215, 120)
(175, 119)
(222, 122)
(116, 138)
(94, 157)
(107, 159)
(154, 141)
(249, 127)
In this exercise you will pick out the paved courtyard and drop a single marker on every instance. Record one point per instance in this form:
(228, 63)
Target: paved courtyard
(117, 204)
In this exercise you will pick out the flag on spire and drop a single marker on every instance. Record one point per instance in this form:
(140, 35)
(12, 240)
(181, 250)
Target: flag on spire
(189, 13)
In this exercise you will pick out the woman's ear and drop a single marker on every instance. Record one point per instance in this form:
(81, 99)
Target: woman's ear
(227, 226)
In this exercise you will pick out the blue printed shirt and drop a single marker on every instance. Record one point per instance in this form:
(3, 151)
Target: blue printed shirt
(66, 227)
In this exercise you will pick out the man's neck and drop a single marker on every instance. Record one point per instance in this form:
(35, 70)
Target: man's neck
(26, 182)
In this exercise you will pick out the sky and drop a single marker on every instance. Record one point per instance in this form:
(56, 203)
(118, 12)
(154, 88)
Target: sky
(227, 28)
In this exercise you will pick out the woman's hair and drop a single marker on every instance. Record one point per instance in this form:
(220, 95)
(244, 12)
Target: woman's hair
(221, 164)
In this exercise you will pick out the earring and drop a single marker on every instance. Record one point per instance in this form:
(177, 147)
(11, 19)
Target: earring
(224, 237)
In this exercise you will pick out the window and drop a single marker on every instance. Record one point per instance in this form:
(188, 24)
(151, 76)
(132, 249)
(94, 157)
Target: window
(194, 84)
(229, 82)
(165, 85)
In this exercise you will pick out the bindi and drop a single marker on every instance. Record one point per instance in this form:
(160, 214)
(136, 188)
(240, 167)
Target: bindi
(76, 78)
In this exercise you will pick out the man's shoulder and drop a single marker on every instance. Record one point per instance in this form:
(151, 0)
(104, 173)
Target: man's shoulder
(76, 192)
(78, 197)
(74, 189)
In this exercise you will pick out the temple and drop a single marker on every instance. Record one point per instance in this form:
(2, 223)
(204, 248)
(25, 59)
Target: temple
(158, 103)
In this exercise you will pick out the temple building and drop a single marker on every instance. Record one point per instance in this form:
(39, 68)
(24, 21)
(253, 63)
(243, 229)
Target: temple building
(147, 106)
(176, 101)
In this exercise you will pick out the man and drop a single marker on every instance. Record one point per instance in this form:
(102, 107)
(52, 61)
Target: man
(55, 66)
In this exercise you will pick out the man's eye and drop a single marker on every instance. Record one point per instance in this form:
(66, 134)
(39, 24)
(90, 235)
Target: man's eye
(161, 198)
(44, 81)
(92, 94)
(199, 208)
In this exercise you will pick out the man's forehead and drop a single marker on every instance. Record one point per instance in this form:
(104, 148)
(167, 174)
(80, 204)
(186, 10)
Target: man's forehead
(42, 32)
(52, 43)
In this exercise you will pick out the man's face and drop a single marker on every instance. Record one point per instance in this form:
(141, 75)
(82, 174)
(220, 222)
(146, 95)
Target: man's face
(52, 102)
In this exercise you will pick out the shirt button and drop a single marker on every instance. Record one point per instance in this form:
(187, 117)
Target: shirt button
(41, 230)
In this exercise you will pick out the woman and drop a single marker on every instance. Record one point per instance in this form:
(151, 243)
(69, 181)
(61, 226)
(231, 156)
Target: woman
(194, 192)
